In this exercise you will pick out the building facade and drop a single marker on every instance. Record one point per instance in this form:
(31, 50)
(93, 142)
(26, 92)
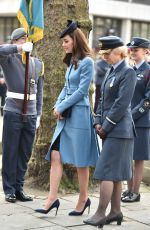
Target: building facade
(124, 18)
(8, 20)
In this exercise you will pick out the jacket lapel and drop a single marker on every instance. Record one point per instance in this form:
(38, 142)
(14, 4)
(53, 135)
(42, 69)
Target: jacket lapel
(142, 68)
(116, 70)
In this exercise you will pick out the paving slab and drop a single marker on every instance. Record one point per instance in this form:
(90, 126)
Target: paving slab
(132, 225)
(22, 221)
(67, 221)
(21, 215)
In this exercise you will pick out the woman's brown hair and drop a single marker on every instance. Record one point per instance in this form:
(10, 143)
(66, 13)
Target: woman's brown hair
(80, 48)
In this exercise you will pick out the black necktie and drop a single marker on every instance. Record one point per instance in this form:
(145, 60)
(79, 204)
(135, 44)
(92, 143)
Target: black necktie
(111, 70)
(134, 67)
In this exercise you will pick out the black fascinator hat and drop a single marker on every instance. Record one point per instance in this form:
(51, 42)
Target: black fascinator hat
(71, 26)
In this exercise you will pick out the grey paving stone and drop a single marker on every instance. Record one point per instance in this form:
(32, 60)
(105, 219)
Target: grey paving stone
(127, 225)
(142, 216)
(13, 209)
(52, 228)
(22, 221)
(83, 227)
(68, 221)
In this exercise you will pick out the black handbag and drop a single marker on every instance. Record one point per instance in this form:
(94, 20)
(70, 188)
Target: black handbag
(67, 113)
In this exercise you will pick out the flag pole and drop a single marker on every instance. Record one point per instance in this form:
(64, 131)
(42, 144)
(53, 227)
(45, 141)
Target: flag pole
(25, 101)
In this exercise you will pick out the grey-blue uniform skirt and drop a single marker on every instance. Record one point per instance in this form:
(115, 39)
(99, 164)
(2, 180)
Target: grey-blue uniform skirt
(115, 160)
(142, 144)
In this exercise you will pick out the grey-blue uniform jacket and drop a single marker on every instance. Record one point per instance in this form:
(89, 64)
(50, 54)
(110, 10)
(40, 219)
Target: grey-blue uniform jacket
(114, 110)
(14, 71)
(141, 99)
(101, 67)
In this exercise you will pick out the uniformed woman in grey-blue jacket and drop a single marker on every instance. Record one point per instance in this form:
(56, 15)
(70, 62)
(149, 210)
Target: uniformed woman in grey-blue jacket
(74, 140)
(139, 48)
(114, 125)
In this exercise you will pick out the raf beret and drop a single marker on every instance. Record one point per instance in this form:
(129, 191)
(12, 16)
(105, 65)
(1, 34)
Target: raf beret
(71, 26)
(110, 42)
(137, 42)
(18, 33)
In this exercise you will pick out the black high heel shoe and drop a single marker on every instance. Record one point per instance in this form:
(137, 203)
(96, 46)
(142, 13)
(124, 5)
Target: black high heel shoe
(45, 211)
(118, 218)
(99, 223)
(87, 205)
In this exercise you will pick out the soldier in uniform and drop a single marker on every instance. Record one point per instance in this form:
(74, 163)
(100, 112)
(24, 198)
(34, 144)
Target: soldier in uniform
(114, 125)
(139, 48)
(19, 133)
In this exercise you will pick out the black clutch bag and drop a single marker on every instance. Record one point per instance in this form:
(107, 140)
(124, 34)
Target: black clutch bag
(67, 113)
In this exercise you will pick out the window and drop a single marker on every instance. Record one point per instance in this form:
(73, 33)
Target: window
(140, 29)
(7, 25)
(104, 27)
(145, 2)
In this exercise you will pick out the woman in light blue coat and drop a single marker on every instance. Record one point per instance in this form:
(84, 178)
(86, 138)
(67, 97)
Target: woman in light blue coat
(74, 140)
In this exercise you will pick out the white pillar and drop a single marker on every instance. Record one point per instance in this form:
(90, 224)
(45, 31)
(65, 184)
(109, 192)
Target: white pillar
(126, 30)
(91, 32)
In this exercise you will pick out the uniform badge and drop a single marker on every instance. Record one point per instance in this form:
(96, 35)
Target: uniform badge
(141, 110)
(112, 82)
(140, 76)
(133, 42)
(32, 82)
(146, 104)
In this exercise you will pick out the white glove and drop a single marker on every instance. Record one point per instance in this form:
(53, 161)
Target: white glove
(38, 122)
(27, 47)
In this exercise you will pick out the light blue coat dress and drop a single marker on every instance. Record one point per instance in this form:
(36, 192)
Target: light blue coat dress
(78, 141)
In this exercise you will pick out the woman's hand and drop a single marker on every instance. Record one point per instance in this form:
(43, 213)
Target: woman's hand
(57, 114)
(102, 133)
(97, 128)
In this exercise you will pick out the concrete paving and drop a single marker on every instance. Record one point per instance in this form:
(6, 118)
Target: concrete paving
(21, 215)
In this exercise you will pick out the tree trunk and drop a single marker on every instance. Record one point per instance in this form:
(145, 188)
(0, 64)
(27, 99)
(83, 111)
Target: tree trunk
(56, 13)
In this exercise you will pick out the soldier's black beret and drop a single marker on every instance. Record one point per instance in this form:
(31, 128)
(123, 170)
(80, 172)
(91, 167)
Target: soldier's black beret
(71, 26)
(110, 42)
(18, 33)
(137, 42)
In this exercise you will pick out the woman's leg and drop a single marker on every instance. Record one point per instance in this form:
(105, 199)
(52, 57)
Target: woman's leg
(83, 178)
(106, 191)
(115, 199)
(55, 177)
(138, 175)
(131, 181)
(134, 183)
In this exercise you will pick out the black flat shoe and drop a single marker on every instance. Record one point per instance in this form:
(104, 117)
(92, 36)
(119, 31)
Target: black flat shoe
(10, 198)
(118, 218)
(132, 197)
(76, 213)
(45, 211)
(21, 196)
(99, 223)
